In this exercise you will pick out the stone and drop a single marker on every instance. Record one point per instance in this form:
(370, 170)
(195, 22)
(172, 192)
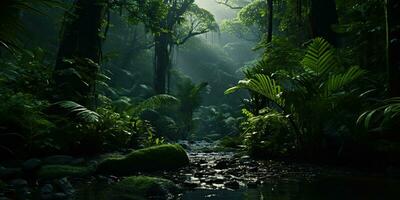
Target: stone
(252, 184)
(19, 182)
(58, 160)
(190, 184)
(31, 165)
(46, 189)
(65, 186)
(156, 158)
(59, 195)
(10, 173)
(232, 184)
(222, 164)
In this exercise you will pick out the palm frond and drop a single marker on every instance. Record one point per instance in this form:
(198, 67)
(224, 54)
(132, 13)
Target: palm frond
(319, 58)
(388, 111)
(263, 85)
(154, 102)
(338, 81)
(79, 111)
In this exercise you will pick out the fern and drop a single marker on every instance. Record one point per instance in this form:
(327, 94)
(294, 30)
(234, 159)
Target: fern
(79, 111)
(154, 102)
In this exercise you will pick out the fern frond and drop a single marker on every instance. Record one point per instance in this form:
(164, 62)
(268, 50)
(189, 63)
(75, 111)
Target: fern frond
(79, 111)
(319, 58)
(154, 102)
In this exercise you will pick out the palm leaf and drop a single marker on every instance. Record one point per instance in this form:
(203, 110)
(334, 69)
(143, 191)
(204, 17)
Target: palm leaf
(79, 111)
(338, 81)
(154, 102)
(319, 58)
(263, 85)
(388, 111)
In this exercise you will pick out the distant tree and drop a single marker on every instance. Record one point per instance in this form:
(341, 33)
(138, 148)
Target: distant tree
(393, 46)
(183, 20)
(323, 16)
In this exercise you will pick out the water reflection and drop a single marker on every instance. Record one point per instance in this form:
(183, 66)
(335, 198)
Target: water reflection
(332, 188)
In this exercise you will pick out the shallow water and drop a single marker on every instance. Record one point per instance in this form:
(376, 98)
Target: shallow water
(325, 188)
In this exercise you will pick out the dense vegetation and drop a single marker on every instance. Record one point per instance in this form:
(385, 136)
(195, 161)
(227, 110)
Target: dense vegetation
(309, 80)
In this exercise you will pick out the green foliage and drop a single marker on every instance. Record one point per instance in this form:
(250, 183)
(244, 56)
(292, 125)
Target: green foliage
(24, 127)
(267, 133)
(387, 114)
(320, 85)
(263, 85)
(162, 157)
(29, 72)
(78, 111)
(11, 25)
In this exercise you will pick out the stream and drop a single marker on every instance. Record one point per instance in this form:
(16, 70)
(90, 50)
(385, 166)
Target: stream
(230, 176)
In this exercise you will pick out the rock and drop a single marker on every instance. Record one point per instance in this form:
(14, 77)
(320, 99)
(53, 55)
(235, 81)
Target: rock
(78, 161)
(58, 160)
(141, 187)
(252, 184)
(46, 189)
(232, 184)
(31, 165)
(10, 173)
(190, 184)
(157, 158)
(24, 193)
(60, 171)
(59, 195)
(65, 186)
(19, 182)
(222, 164)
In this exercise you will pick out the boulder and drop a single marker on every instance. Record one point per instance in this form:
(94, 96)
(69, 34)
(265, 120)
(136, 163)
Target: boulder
(60, 171)
(156, 158)
(141, 187)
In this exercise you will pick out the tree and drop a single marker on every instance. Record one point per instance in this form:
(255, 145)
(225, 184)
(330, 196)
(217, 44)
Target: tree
(270, 20)
(183, 20)
(323, 16)
(79, 53)
(393, 46)
(250, 23)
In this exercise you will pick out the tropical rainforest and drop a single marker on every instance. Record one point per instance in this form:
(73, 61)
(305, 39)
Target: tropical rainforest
(199, 99)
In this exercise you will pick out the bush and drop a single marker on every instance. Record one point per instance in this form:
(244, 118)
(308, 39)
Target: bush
(267, 134)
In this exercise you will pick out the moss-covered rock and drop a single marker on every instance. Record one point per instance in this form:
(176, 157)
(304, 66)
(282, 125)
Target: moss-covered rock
(141, 187)
(163, 157)
(130, 188)
(59, 171)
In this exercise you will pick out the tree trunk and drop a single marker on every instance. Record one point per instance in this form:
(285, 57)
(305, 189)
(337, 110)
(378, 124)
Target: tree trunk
(323, 16)
(393, 46)
(80, 40)
(270, 20)
(162, 62)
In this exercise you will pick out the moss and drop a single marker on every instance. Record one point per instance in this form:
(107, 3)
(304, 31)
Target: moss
(130, 188)
(58, 171)
(141, 187)
(163, 157)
